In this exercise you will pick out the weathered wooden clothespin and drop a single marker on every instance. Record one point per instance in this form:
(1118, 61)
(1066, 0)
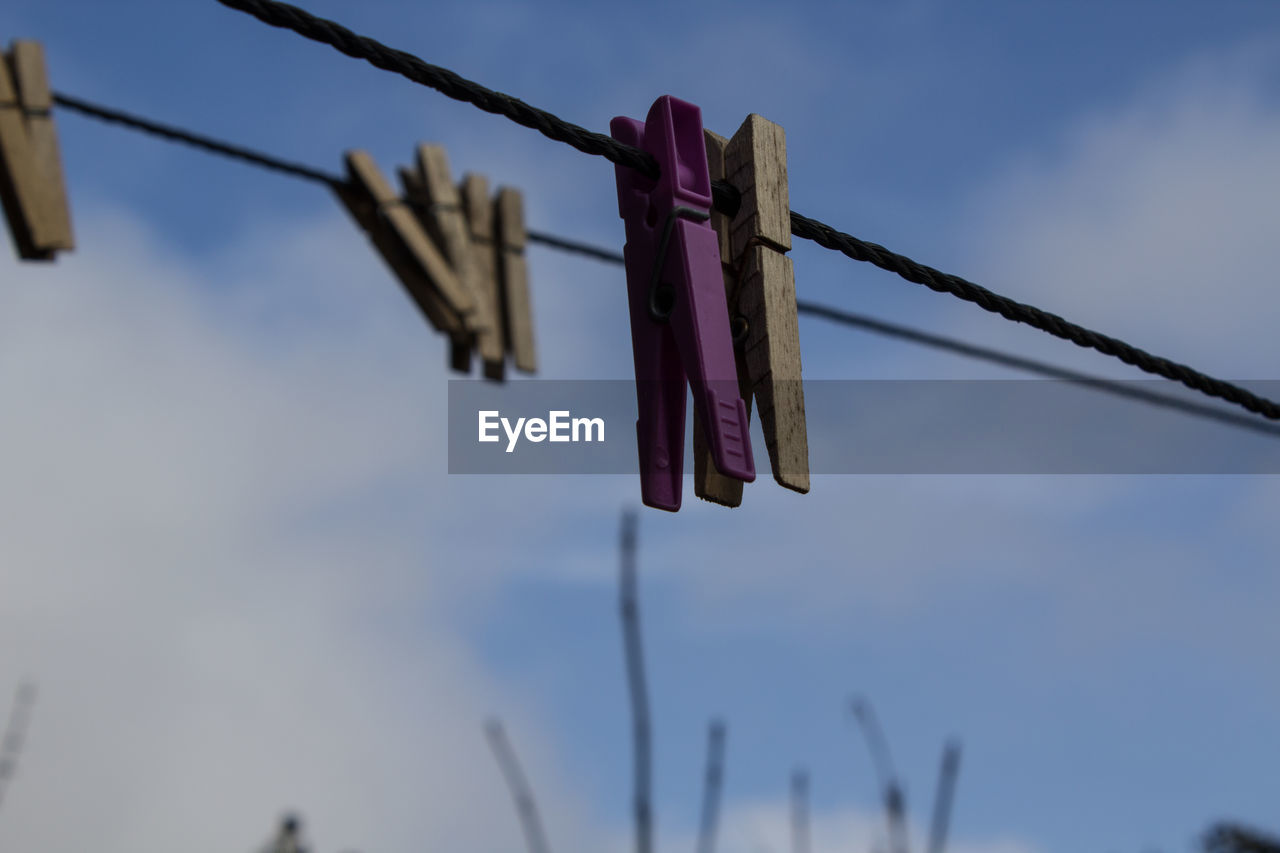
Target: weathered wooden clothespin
(438, 207)
(761, 293)
(403, 243)
(675, 290)
(32, 188)
(491, 344)
(508, 210)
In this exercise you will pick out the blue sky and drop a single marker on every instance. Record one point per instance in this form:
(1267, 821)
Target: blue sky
(232, 556)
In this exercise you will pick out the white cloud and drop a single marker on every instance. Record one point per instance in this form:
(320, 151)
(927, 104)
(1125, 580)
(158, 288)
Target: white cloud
(764, 826)
(1152, 221)
(221, 625)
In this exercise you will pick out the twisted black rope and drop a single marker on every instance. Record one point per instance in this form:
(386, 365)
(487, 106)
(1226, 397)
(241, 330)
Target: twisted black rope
(981, 353)
(454, 86)
(828, 237)
(193, 139)
(1109, 386)
(727, 198)
(257, 158)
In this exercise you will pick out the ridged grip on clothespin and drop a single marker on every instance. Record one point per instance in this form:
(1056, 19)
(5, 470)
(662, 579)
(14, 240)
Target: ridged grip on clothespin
(708, 483)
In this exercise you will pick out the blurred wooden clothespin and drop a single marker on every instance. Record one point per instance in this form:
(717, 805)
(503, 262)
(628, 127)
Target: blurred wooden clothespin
(508, 208)
(438, 207)
(491, 345)
(400, 239)
(459, 254)
(498, 238)
(485, 244)
(32, 187)
(761, 295)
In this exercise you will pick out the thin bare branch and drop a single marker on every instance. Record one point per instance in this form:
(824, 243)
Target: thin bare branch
(712, 786)
(894, 802)
(636, 682)
(945, 796)
(1234, 838)
(800, 811)
(526, 808)
(15, 733)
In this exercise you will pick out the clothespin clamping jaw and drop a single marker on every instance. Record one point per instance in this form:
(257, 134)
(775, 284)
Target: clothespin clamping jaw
(679, 319)
(760, 287)
(32, 188)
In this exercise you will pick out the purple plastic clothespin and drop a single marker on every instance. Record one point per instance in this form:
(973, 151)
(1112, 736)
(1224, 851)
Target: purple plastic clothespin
(679, 321)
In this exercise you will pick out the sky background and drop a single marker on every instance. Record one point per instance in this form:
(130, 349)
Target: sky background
(232, 557)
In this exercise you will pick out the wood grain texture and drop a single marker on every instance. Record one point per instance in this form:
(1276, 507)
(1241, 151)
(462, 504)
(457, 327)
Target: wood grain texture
(508, 211)
(474, 190)
(755, 161)
(756, 164)
(771, 354)
(401, 242)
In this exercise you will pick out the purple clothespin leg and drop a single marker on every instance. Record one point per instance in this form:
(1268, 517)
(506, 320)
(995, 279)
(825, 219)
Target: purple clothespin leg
(679, 322)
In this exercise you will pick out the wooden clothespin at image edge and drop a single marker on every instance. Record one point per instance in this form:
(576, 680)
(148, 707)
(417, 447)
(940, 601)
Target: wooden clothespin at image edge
(761, 290)
(32, 187)
(402, 242)
(438, 207)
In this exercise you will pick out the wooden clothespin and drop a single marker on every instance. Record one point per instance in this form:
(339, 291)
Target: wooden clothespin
(399, 237)
(32, 188)
(438, 207)
(508, 210)
(474, 190)
(761, 295)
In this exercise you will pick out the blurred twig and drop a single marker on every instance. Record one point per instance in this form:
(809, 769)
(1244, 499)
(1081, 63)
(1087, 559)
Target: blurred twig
(800, 811)
(288, 838)
(945, 796)
(636, 682)
(712, 786)
(15, 733)
(1234, 838)
(527, 809)
(894, 804)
